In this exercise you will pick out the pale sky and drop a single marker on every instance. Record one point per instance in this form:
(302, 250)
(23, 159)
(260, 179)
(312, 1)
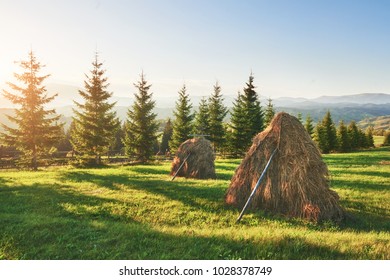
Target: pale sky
(294, 48)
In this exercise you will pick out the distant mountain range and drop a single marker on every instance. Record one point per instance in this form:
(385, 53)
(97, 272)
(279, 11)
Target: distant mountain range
(347, 107)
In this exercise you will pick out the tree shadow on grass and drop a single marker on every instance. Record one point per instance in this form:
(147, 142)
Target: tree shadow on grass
(54, 222)
(147, 169)
(383, 173)
(187, 192)
(105, 181)
(358, 185)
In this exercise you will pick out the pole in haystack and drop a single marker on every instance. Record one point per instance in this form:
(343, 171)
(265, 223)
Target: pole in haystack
(256, 187)
(184, 161)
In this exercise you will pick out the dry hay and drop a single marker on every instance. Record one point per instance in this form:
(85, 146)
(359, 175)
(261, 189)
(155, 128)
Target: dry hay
(200, 164)
(296, 183)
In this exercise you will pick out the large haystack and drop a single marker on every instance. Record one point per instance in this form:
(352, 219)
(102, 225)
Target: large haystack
(200, 163)
(296, 183)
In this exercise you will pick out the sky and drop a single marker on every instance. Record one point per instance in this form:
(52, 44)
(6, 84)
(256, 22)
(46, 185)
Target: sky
(294, 48)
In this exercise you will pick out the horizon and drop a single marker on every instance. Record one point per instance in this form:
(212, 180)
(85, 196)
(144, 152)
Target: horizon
(299, 49)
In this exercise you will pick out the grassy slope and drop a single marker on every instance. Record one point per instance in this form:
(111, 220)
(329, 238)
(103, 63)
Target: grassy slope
(135, 212)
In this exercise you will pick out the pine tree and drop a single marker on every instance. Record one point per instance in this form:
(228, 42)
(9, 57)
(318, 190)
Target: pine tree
(343, 138)
(95, 122)
(217, 112)
(309, 126)
(269, 112)
(182, 124)
(166, 137)
(370, 137)
(117, 146)
(363, 143)
(252, 109)
(202, 119)
(353, 133)
(299, 117)
(246, 119)
(141, 124)
(321, 138)
(36, 129)
(239, 138)
(326, 135)
(64, 145)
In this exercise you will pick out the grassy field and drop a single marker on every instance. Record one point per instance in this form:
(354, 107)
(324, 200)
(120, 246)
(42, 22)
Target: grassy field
(135, 212)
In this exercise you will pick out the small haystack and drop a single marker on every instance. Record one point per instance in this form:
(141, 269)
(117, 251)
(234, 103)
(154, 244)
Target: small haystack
(200, 162)
(296, 183)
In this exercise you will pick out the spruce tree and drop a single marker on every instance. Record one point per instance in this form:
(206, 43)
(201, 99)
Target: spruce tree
(309, 126)
(117, 146)
(166, 137)
(269, 112)
(217, 112)
(182, 124)
(321, 138)
(246, 119)
(36, 129)
(252, 109)
(354, 135)
(239, 138)
(326, 135)
(343, 138)
(202, 119)
(299, 117)
(363, 143)
(330, 128)
(370, 137)
(95, 121)
(141, 124)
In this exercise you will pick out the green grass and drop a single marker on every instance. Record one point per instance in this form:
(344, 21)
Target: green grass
(378, 140)
(136, 212)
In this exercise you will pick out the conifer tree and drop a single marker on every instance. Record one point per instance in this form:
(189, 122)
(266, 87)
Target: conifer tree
(64, 144)
(320, 137)
(353, 133)
(36, 129)
(370, 137)
(141, 124)
(344, 144)
(202, 119)
(299, 116)
(117, 146)
(269, 112)
(246, 119)
(363, 143)
(95, 123)
(182, 124)
(217, 112)
(309, 126)
(239, 138)
(252, 109)
(166, 137)
(326, 135)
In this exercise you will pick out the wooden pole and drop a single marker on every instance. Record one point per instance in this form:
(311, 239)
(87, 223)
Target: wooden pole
(181, 165)
(256, 187)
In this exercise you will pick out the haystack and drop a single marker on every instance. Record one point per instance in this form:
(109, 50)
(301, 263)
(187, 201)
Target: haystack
(296, 183)
(199, 164)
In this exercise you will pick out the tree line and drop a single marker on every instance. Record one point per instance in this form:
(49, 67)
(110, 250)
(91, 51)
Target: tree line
(95, 128)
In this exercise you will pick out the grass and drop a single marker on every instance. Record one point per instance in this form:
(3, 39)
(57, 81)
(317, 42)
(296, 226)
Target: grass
(136, 212)
(378, 140)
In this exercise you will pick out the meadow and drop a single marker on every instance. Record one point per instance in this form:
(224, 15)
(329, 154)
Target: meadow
(136, 212)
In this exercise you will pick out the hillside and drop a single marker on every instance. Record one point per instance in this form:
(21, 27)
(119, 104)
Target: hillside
(347, 108)
(379, 123)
